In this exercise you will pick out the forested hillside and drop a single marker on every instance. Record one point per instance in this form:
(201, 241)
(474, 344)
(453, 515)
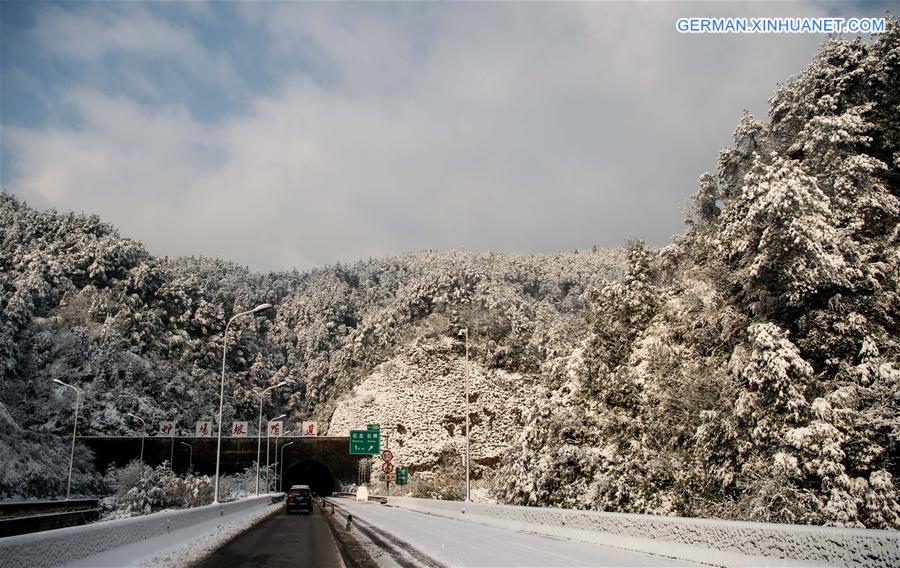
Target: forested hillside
(144, 335)
(750, 369)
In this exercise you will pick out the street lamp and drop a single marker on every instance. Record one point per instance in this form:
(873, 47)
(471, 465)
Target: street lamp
(281, 463)
(259, 431)
(268, 428)
(74, 431)
(143, 433)
(465, 332)
(190, 456)
(277, 439)
(258, 308)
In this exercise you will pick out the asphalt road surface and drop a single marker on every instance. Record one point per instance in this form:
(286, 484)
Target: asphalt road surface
(294, 540)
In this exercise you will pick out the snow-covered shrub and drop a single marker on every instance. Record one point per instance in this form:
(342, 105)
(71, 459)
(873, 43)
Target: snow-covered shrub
(146, 495)
(243, 484)
(197, 490)
(443, 483)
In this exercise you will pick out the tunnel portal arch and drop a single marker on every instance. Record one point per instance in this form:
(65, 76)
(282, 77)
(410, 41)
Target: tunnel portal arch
(314, 473)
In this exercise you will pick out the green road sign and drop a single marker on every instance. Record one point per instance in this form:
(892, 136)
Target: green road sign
(402, 476)
(365, 442)
(373, 427)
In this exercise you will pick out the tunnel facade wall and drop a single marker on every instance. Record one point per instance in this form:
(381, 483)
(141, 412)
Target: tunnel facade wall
(237, 453)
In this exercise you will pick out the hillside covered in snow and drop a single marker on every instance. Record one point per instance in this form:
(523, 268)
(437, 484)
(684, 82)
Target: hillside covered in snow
(749, 370)
(143, 335)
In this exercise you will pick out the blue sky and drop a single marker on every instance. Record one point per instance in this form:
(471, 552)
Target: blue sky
(284, 135)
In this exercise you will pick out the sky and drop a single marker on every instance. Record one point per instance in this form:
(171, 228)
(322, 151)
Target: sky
(287, 135)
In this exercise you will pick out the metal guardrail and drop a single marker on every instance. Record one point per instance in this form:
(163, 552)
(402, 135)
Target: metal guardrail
(29, 508)
(12, 526)
(22, 517)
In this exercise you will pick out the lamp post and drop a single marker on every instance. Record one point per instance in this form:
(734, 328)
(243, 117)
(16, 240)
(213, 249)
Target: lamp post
(277, 439)
(258, 308)
(74, 431)
(268, 428)
(281, 464)
(259, 431)
(190, 458)
(143, 433)
(465, 332)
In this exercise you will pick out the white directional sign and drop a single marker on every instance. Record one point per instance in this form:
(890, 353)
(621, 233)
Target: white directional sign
(203, 429)
(167, 428)
(310, 428)
(239, 429)
(276, 428)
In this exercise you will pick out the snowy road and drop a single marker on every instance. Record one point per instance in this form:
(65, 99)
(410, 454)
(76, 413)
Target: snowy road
(456, 543)
(280, 540)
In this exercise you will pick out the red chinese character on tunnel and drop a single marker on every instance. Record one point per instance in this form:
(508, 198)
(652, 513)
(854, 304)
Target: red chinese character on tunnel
(166, 428)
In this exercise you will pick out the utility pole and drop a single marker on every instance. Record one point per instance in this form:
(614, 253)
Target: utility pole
(466, 333)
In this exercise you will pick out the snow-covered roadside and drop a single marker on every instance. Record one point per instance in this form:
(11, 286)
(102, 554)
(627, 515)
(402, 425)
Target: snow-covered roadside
(431, 540)
(182, 547)
(371, 547)
(126, 541)
(196, 549)
(712, 541)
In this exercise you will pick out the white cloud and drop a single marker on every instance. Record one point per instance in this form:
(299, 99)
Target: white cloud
(509, 127)
(94, 33)
(100, 30)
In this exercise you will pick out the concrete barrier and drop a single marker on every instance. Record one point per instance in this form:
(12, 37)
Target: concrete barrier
(711, 541)
(61, 546)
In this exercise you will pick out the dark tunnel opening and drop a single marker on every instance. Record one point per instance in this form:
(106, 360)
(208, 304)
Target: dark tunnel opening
(312, 473)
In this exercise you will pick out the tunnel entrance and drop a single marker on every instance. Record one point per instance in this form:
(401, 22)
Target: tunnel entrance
(312, 473)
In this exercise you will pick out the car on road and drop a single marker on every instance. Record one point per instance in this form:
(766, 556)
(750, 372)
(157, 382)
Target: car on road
(299, 498)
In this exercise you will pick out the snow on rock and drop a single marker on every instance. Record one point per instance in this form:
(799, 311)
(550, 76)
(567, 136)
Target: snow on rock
(421, 394)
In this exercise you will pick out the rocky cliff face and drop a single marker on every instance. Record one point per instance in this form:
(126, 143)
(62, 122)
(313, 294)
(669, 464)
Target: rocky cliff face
(418, 397)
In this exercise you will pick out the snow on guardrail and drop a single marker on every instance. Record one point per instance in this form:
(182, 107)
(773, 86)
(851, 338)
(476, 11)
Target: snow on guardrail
(723, 543)
(61, 546)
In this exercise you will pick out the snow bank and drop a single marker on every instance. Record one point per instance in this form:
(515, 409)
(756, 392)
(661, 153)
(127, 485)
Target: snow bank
(724, 543)
(56, 547)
